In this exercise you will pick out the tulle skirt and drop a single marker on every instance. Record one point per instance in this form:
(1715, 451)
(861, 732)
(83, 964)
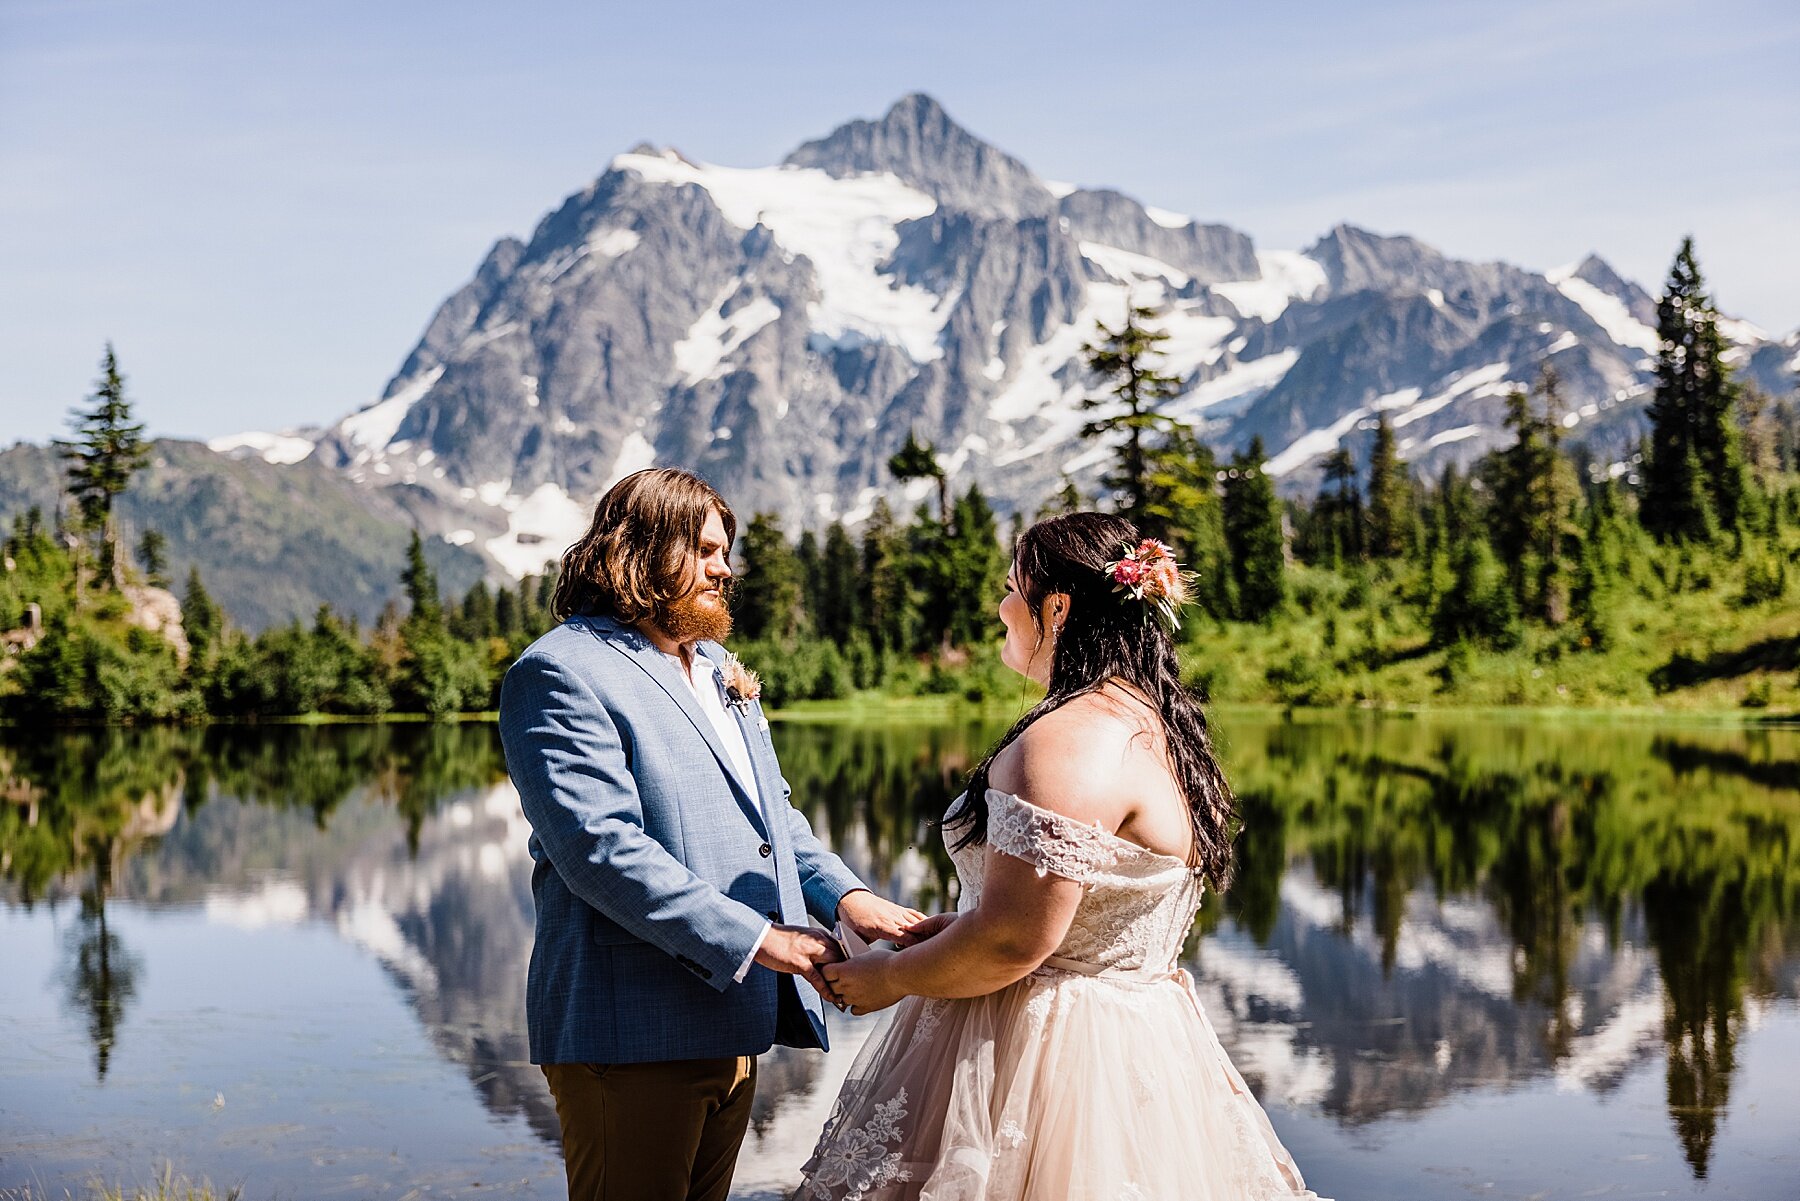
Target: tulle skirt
(1061, 1087)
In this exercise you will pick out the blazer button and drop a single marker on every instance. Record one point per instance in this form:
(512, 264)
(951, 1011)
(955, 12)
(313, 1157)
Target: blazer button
(775, 915)
(765, 850)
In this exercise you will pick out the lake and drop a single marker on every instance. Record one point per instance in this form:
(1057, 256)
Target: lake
(1463, 956)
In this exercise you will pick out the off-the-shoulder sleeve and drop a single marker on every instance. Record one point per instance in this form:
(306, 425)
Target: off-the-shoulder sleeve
(1046, 840)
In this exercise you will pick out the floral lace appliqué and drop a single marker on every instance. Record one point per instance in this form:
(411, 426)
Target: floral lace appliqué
(931, 1012)
(859, 1160)
(1048, 841)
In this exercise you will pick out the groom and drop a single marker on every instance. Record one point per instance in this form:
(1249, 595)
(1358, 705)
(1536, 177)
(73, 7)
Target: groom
(672, 878)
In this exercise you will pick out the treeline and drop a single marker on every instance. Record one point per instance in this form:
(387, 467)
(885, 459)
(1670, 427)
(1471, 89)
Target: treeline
(97, 660)
(1538, 562)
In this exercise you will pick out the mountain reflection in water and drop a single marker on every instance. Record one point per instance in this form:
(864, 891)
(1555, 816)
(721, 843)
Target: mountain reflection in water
(1426, 911)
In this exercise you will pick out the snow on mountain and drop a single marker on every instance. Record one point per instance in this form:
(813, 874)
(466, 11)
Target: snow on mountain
(781, 329)
(281, 449)
(846, 227)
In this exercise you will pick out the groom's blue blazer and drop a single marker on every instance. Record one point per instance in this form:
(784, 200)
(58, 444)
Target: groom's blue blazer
(653, 871)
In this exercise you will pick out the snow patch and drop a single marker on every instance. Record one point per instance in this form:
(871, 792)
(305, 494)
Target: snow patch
(281, 449)
(374, 427)
(1242, 383)
(715, 337)
(1313, 443)
(1287, 276)
(539, 528)
(615, 242)
(460, 537)
(1607, 310)
(1167, 218)
(846, 227)
(1483, 381)
(1058, 188)
(1568, 341)
(1460, 433)
(1128, 267)
(635, 455)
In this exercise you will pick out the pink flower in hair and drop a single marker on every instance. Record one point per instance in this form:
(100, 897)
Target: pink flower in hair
(1149, 572)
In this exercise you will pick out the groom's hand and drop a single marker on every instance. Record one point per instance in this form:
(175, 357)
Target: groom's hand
(798, 951)
(876, 919)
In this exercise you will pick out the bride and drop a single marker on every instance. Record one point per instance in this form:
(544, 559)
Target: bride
(1046, 1045)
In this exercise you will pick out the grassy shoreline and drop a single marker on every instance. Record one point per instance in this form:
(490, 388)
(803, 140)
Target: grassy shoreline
(923, 710)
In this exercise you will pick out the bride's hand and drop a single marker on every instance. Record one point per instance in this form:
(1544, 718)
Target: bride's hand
(926, 928)
(864, 983)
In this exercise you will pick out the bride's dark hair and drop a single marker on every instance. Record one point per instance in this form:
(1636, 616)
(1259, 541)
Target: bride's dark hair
(1109, 636)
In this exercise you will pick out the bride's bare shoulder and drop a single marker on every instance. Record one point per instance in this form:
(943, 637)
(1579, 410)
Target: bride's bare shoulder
(1068, 761)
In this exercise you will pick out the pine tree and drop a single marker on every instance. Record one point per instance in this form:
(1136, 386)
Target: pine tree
(1123, 361)
(1066, 499)
(1390, 495)
(1694, 473)
(1337, 513)
(421, 584)
(918, 461)
(885, 595)
(202, 621)
(976, 572)
(1533, 491)
(1253, 537)
(108, 450)
(770, 591)
(153, 556)
(838, 614)
(1184, 488)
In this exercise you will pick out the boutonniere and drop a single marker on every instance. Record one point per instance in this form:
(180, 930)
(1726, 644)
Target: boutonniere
(741, 684)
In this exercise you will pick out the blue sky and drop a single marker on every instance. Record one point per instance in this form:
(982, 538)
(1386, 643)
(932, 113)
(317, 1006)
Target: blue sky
(262, 204)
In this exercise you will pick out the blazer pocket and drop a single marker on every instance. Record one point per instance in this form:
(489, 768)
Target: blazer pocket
(611, 934)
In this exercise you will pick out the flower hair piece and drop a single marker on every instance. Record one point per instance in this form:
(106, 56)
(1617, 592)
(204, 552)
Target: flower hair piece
(1149, 572)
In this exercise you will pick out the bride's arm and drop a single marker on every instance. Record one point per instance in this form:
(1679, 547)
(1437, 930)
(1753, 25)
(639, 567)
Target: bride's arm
(1024, 914)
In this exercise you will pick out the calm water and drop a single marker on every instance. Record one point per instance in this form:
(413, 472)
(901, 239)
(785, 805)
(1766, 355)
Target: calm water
(1463, 958)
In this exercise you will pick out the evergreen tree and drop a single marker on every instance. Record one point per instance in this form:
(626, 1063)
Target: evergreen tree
(812, 581)
(1253, 537)
(1533, 491)
(976, 572)
(838, 614)
(1694, 473)
(918, 461)
(1123, 361)
(1390, 495)
(507, 618)
(203, 622)
(420, 582)
(1184, 490)
(108, 450)
(770, 592)
(1334, 526)
(885, 595)
(153, 556)
(1066, 499)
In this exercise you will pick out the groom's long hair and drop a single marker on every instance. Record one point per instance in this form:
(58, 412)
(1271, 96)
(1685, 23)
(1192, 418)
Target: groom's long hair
(636, 556)
(1111, 637)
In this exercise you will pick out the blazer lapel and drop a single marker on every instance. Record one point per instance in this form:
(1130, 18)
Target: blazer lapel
(641, 651)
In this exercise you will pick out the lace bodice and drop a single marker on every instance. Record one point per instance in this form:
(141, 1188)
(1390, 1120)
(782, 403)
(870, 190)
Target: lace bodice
(1139, 905)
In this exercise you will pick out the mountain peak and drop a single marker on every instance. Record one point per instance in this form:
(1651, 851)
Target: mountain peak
(921, 144)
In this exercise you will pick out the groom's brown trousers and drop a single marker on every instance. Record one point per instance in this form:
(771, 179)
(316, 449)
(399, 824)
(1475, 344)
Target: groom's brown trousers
(652, 1131)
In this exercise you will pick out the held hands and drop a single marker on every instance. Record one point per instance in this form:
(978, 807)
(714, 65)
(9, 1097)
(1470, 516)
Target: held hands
(876, 919)
(868, 983)
(799, 951)
(865, 983)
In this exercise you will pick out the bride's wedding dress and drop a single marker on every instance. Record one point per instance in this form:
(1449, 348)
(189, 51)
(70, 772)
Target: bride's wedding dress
(1095, 1077)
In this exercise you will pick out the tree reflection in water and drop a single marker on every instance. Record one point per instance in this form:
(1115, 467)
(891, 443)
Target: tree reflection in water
(1422, 907)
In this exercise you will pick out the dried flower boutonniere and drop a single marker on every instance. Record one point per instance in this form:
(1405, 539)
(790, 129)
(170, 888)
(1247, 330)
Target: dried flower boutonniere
(741, 684)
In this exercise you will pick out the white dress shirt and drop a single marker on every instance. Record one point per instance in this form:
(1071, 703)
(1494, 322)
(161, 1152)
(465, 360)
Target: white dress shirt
(709, 692)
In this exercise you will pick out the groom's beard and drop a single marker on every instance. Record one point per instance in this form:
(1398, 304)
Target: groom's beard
(702, 615)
